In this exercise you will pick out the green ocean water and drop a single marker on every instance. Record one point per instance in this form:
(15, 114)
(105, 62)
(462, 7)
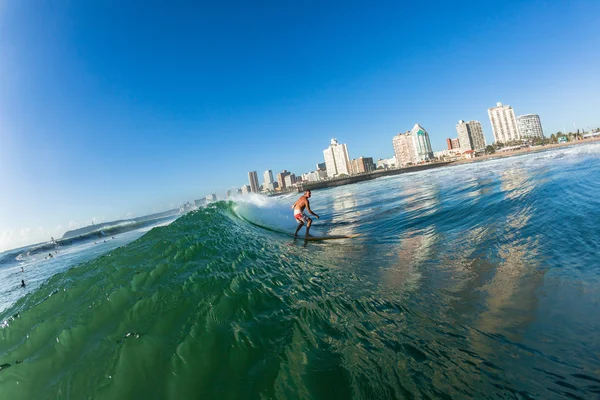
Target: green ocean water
(474, 281)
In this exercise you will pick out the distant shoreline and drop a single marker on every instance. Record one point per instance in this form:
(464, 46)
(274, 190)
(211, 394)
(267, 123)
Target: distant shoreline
(397, 171)
(526, 151)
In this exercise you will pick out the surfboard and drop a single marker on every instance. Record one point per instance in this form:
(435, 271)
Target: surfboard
(329, 237)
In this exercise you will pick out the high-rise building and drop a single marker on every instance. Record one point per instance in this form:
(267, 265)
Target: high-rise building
(470, 135)
(290, 180)
(463, 136)
(530, 126)
(449, 143)
(422, 144)
(504, 124)
(336, 159)
(321, 166)
(245, 189)
(455, 144)
(268, 177)
(253, 180)
(404, 149)
(412, 147)
(362, 165)
(477, 136)
(281, 178)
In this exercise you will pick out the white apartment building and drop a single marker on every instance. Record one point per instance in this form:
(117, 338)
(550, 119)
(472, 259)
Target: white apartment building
(470, 136)
(268, 177)
(530, 126)
(290, 180)
(386, 163)
(504, 124)
(421, 143)
(336, 159)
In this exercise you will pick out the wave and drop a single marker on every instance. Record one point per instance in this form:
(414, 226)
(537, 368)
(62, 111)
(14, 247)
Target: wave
(439, 301)
(98, 233)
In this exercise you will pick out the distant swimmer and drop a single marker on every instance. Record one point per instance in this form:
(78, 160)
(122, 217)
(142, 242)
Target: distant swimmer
(22, 283)
(302, 218)
(50, 255)
(22, 270)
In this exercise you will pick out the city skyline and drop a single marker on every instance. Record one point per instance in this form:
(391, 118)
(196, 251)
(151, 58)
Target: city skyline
(109, 111)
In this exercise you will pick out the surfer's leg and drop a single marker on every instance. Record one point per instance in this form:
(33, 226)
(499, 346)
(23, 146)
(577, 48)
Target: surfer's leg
(308, 224)
(300, 224)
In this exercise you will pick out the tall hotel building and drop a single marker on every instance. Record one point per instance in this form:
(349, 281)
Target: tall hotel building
(504, 124)
(530, 126)
(412, 147)
(336, 159)
(281, 179)
(404, 149)
(422, 144)
(253, 180)
(268, 177)
(470, 135)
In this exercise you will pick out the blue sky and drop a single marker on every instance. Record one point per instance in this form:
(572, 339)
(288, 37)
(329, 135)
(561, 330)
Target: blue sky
(110, 110)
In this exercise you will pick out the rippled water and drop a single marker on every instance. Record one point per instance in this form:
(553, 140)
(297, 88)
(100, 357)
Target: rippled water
(478, 280)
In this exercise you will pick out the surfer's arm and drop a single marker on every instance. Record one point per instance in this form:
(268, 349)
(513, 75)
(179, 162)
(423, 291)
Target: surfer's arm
(309, 210)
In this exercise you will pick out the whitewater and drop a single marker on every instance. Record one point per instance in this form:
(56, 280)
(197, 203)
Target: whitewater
(479, 280)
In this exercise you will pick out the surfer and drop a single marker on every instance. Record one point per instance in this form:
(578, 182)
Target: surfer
(22, 283)
(302, 218)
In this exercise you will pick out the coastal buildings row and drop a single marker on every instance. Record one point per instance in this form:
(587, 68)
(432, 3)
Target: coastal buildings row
(506, 128)
(410, 148)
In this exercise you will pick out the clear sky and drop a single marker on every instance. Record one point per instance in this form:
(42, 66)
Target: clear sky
(110, 109)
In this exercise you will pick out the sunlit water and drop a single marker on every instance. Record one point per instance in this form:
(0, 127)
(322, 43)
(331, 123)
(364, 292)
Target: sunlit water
(471, 281)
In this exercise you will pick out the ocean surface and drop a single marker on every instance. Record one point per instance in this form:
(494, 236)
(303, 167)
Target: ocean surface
(479, 280)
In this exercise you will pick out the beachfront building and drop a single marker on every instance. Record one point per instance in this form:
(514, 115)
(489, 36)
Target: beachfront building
(362, 165)
(504, 124)
(386, 163)
(211, 197)
(530, 126)
(404, 150)
(281, 179)
(314, 176)
(253, 180)
(268, 178)
(470, 136)
(337, 161)
(421, 143)
(245, 189)
(290, 180)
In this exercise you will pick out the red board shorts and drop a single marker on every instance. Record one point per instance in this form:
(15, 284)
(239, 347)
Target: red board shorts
(301, 218)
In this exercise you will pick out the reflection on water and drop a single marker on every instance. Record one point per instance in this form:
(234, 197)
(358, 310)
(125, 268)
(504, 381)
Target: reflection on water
(411, 252)
(344, 214)
(516, 183)
(511, 300)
